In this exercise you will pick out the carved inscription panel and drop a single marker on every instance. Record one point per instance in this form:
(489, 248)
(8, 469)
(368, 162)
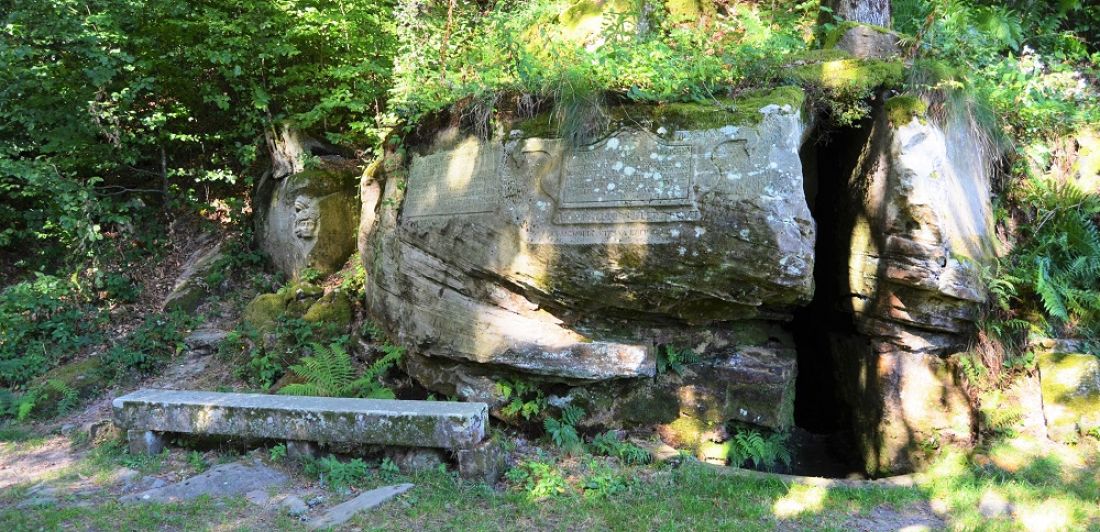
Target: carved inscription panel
(460, 181)
(627, 181)
(613, 175)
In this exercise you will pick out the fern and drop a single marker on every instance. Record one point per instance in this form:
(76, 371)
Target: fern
(563, 431)
(674, 358)
(608, 444)
(763, 451)
(329, 372)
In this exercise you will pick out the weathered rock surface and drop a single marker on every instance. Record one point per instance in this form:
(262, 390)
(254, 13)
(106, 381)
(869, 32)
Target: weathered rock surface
(339, 514)
(227, 480)
(916, 224)
(574, 263)
(751, 385)
(1071, 393)
(191, 287)
(868, 42)
(306, 215)
(373, 421)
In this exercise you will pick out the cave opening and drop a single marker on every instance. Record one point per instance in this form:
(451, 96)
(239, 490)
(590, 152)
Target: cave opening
(823, 442)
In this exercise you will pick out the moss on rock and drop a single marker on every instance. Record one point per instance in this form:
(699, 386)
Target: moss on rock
(1070, 385)
(333, 308)
(742, 110)
(262, 312)
(902, 109)
(848, 75)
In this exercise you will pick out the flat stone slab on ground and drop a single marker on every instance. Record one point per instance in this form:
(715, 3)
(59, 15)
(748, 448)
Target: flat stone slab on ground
(226, 480)
(375, 421)
(339, 514)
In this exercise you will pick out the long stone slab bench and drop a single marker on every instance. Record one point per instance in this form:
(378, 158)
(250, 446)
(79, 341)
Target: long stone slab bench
(146, 414)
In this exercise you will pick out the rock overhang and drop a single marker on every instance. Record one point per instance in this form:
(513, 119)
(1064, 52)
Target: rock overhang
(528, 253)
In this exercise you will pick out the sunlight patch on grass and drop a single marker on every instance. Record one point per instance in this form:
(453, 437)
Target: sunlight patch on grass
(800, 499)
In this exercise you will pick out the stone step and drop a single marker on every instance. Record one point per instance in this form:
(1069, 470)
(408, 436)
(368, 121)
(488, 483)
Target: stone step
(440, 424)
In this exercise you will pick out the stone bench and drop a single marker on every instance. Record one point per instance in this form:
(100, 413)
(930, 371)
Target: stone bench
(146, 415)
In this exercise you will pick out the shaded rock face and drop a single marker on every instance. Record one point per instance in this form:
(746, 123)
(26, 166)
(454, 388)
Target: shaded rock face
(916, 223)
(307, 217)
(572, 264)
(867, 42)
(1070, 384)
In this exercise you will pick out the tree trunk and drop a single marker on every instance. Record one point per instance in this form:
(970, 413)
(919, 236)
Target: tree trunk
(875, 12)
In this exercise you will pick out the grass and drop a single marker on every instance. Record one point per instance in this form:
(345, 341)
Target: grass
(1042, 485)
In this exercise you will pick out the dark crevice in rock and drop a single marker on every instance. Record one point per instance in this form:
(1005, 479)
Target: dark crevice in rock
(822, 442)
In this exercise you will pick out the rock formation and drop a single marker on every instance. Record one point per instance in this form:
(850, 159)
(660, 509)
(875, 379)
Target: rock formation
(685, 227)
(917, 223)
(307, 216)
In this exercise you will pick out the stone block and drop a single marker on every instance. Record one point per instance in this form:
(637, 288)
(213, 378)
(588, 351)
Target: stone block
(145, 441)
(1070, 385)
(484, 462)
(301, 450)
(440, 424)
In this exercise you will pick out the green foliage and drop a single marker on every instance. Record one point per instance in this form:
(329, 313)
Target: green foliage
(121, 102)
(563, 431)
(265, 358)
(609, 444)
(767, 451)
(674, 358)
(329, 372)
(43, 322)
(538, 479)
(197, 462)
(310, 275)
(336, 475)
(157, 339)
(602, 482)
(1056, 264)
(278, 452)
(388, 467)
(461, 52)
(522, 399)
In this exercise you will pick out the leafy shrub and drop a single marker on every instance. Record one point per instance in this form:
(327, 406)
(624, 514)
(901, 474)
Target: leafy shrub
(1057, 263)
(602, 482)
(150, 345)
(278, 452)
(329, 372)
(43, 322)
(264, 360)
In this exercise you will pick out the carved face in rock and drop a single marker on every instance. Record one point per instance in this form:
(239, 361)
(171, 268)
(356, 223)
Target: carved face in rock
(305, 218)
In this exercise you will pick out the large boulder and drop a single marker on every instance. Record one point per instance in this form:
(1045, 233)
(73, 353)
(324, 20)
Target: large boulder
(575, 264)
(307, 214)
(917, 225)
